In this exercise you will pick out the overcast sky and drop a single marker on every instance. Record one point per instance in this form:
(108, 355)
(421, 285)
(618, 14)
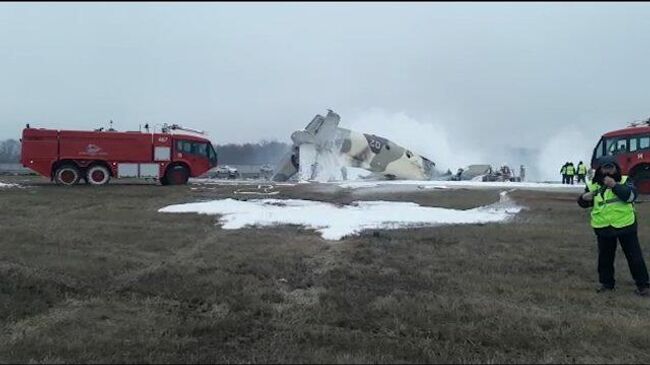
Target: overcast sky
(252, 71)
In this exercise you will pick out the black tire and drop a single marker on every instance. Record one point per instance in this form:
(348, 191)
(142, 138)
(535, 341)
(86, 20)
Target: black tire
(176, 175)
(67, 175)
(163, 181)
(98, 175)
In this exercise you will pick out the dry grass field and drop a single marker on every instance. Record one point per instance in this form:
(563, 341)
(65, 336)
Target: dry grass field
(98, 275)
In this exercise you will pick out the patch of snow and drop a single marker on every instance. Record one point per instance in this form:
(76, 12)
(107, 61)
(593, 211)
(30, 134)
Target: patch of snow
(235, 182)
(334, 222)
(430, 187)
(4, 185)
(360, 184)
(461, 184)
(357, 173)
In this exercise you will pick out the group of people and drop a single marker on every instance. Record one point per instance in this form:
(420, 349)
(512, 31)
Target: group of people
(569, 172)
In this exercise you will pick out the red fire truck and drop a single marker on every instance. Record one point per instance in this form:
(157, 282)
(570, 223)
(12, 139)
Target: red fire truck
(67, 157)
(631, 146)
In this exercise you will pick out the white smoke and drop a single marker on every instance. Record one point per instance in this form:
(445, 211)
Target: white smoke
(430, 139)
(433, 140)
(570, 145)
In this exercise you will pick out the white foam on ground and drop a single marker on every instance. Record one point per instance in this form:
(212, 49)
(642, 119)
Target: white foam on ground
(334, 222)
(4, 185)
(432, 184)
(197, 181)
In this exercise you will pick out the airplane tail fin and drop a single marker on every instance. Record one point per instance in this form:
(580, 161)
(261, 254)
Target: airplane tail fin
(324, 127)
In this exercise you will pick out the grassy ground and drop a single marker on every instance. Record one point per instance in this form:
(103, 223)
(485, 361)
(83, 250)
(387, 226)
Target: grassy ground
(97, 275)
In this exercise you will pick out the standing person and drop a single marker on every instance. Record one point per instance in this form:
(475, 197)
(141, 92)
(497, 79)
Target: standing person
(563, 172)
(582, 172)
(570, 172)
(314, 170)
(613, 217)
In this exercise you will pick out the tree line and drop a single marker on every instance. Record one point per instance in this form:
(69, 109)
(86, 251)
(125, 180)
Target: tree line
(235, 154)
(264, 152)
(9, 151)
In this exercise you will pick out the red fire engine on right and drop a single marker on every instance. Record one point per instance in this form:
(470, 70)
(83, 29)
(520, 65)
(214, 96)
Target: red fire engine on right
(631, 146)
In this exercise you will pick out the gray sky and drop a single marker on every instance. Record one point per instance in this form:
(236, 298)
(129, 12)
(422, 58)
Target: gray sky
(253, 71)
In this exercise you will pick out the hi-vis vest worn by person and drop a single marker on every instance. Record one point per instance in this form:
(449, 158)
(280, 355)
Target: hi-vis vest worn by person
(609, 210)
(582, 169)
(570, 170)
(563, 170)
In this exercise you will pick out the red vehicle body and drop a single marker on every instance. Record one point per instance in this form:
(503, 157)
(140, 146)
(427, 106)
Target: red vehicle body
(631, 146)
(70, 156)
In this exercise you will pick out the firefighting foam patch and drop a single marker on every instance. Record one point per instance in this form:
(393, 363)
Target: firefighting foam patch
(4, 185)
(335, 222)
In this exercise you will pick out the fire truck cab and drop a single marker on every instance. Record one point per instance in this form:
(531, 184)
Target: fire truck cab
(67, 156)
(631, 146)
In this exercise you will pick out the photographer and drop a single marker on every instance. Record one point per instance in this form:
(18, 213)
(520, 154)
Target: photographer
(613, 218)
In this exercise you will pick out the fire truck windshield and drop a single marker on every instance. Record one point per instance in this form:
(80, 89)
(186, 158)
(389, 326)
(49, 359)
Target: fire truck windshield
(599, 151)
(212, 155)
(203, 149)
(615, 146)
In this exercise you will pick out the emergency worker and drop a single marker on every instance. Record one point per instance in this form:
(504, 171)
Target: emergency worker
(563, 172)
(582, 172)
(611, 197)
(570, 173)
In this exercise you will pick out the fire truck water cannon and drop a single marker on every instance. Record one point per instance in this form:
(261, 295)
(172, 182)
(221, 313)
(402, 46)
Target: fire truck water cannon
(638, 123)
(166, 128)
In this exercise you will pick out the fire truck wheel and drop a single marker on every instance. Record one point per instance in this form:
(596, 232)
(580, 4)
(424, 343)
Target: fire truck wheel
(177, 175)
(98, 175)
(67, 175)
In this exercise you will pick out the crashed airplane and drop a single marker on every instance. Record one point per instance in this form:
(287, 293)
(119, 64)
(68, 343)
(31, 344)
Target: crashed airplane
(323, 150)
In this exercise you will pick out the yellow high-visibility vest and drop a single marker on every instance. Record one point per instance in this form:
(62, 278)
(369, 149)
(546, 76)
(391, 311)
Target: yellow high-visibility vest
(582, 169)
(570, 170)
(609, 210)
